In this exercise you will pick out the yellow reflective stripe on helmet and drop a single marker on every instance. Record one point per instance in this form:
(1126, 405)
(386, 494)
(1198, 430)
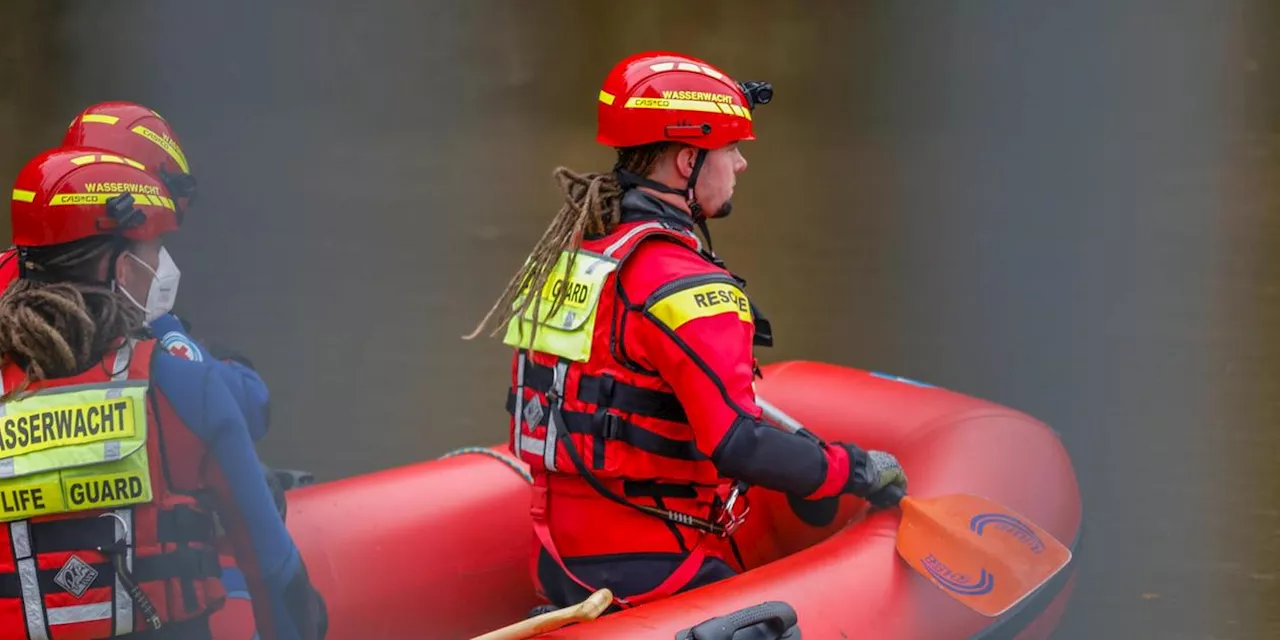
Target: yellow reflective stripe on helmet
(701, 301)
(122, 160)
(166, 144)
(100, 118)
(704, 106)
(63, 199)
(22, 195)
(606, 97)
(80, 161)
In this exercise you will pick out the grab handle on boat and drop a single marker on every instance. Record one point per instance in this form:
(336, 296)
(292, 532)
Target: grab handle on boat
(774, 620)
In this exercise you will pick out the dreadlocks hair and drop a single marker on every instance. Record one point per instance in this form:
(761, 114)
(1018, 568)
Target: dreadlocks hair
(591, 207)
(59, 319)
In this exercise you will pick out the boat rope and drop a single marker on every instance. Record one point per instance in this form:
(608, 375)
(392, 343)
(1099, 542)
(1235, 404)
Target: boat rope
(501, 457)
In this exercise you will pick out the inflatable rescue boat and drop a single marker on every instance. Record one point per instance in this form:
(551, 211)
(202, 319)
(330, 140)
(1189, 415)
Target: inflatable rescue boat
(441, 549)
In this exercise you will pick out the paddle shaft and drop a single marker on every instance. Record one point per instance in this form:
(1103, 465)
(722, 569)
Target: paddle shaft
(780, 418)
(588, 609)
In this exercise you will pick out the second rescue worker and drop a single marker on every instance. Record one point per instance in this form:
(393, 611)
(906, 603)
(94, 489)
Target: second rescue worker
(632, 398)
(109, 533)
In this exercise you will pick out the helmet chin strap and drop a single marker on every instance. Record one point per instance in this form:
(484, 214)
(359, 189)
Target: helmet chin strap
(630, 180)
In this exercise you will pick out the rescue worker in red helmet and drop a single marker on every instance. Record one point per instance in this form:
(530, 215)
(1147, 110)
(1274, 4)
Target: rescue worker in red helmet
(132, 131)
(140, 136)
(116, 453)
(631, 392)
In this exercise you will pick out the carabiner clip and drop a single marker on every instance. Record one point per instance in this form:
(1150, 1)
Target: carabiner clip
(117, 554)
(728, 520)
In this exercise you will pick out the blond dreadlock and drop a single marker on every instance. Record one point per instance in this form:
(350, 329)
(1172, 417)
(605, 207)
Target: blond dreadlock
(55, 329)
(592, 205)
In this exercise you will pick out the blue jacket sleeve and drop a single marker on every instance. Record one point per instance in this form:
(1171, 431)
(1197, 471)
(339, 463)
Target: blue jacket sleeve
(246, 386)
(285, 605)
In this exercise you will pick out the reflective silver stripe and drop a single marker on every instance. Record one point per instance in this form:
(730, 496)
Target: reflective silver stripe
(80, 613)
(120, 361)
(21, 537)
(553, 423)
(93, 386)
(32, 602)
(124, 602)
(6, 468)
(695, 238)
(536, 446)
(518, 434)
(626, 237)
(111, 448)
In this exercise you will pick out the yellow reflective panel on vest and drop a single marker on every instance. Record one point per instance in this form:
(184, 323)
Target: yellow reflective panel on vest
(702, 301)
(28, 499)
(131, 484)
(37, 429)
(74, 449)
(568, 331)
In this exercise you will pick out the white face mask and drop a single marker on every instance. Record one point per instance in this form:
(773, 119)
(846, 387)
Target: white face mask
(164, 286)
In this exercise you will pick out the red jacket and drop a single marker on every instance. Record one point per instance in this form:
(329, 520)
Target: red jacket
(662, 413)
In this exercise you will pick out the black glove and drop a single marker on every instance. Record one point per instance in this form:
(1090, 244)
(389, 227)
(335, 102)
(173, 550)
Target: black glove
(277, 490)
(870, 472)
(292, 478)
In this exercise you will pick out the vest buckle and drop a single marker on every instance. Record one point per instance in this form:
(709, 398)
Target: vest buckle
(729, 519)
(610, 426)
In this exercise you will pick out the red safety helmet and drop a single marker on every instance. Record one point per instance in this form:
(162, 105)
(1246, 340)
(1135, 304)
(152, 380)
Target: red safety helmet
(659, 96)
(67, 194)
(134, 131)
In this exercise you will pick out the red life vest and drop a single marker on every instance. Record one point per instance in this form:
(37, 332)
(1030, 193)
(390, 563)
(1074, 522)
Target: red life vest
(58, 573)
(610, 424)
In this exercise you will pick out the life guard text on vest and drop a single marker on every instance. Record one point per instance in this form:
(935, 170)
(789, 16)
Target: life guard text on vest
(702, 301)
(92, 491)
(567, 309)
(26, 432)
(105, 490)
(575, 292)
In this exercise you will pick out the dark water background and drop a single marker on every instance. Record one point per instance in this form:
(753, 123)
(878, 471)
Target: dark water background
(1066, 207)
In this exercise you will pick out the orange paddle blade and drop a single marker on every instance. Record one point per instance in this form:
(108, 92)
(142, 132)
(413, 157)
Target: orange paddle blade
(981, 553)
